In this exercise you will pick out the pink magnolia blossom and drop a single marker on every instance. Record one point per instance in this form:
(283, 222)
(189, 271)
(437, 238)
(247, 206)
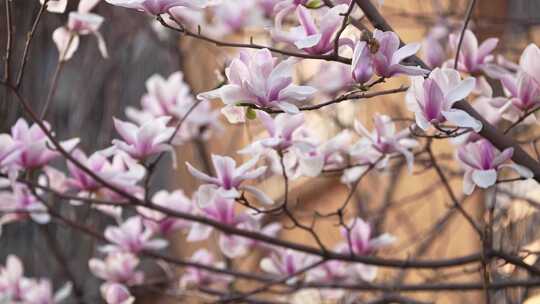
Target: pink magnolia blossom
(33, 146)
(157, 7)
(198, 277)
(362, 65)
(286, 262)
(131, 236)
(529, 62)
(15, 288)
(122, 171)
(118, 267)
(235, 16)
(7, 148)
(254, 78)
(146, 140)
(21, 204)
(41, 292)
(229, 177)
(80, 23)
(115, 293)
(172, 97)
(432, 99)
(159, 222)
(359, 240)
(388, 56)
(332, 77)
(330, 154)
(55, 6)
(314, 36)
(482, 161)
(523, 94)
(379, 145)
(433, 50)
(473, 58)
(281, 129)
(212, 204)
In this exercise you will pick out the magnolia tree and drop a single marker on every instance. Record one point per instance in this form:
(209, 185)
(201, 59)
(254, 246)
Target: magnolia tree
(461, 93)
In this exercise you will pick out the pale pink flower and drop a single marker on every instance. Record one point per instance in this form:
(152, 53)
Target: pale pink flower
(131, 236)
(11, 277)
(529, 62)
(21, 204)
(330, 154)
(233, 16)
(314, 35)
(229, 177)
(142, 141)
(195, 276)
(359, 240)
(432, 99)
(118, 267)
(7, 149)
(115, 293)
(332, 77)
(172, 97)
(379, 145)
(33, 146)
(159, 222)
(254, 78)
(286, 262)
(362, 65)
(473, 58)
(122, 171)
(80, 23)
(157, 7)
(212, 204)
(523, 94)
(482, 161)
(41, 292)
(388, 56)
(281, 129)
(55, 6)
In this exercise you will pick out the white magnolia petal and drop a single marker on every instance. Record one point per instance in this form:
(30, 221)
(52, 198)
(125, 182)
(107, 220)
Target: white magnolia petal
(484, 178)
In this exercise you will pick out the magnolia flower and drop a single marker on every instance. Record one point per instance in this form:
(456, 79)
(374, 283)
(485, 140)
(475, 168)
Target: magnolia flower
(131, 236)
(157, 7)
(432, 47)
(281, 129)
(254, 78)
(172, 97)
(41, 292)
(115, 293)
(80, 23)
(529, 62)
(387, 55)
(33, 146)
(7, 148)
(362, 65)
(523, 95)
(118, 267)
(286, 262)
(482, 161)
(234, 16)
(146, 140)
(220, 209)
(15, 288)
(432, 99)
(314, 36)
(472, 57)
(196, 276)
(332, 77)
(21, 204)
(229, 178)
(122, 172)
(160, 222)
(11, 277)
(359, 240)
(55, 6)
(314, 158)
(377, 146)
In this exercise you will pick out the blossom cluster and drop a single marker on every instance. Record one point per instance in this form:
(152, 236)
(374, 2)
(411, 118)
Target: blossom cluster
(261, 88)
